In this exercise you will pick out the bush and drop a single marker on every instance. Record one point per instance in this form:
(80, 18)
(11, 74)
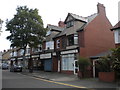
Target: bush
(104, 64)
(83, 64)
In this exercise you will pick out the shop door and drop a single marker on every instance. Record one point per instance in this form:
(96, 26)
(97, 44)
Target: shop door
(48, 65)
(75, 67)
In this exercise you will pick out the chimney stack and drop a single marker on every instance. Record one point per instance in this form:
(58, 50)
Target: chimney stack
(61, 24)
(101, 9)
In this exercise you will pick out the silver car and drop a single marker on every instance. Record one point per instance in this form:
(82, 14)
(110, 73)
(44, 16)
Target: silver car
(16, 68)
(5, 66)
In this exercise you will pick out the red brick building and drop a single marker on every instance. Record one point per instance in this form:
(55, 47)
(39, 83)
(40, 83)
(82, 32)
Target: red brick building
(116, 30)
(76, 36)
(82, 36)
(96, 35)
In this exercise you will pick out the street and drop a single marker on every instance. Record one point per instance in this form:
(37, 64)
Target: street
(17, 80)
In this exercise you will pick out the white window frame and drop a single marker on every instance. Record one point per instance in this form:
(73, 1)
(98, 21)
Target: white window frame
(58, 42)
(50, 45)
(68, 62)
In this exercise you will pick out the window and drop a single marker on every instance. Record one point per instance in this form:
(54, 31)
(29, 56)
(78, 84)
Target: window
(64, 42)
(11, 54)
(48, 33)
(28, 51)
(119, 36)
(58, 43)
(15, 53)
(72, 40)
(67, 62)
(21, 52)
(49, 45)
(69, 24)
(75, 39)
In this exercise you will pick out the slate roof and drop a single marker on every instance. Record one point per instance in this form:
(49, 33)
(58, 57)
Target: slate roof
(116, 26)
(56, 28)
(52, 35)
(86, 21)
(77, 17)
(101, 54)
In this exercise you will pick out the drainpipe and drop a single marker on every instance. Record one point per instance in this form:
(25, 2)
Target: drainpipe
(94, 68)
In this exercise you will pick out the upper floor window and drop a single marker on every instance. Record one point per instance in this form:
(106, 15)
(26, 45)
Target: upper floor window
(21, 52)
(11, 54)
(48, 33)
(15, 53)
(75, 39)
(63, 42)
(58, 43)
(28, 51)
(69, 24)
(72, 39)
(50, 45)
(117, 36)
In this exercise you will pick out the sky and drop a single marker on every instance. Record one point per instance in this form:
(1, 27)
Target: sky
(53, 11)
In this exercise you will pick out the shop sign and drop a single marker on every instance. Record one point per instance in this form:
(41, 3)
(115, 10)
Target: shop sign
(70, 51)
(27, 57)
(35, 56)
(54, 54)
(45, 56)
(20, 58)
(13, 59)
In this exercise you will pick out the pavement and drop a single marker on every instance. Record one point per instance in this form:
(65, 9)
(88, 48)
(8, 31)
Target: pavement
(73, 79)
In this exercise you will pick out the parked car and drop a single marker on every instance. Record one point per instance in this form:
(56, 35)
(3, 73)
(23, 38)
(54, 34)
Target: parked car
(16, 68)
(5, 66)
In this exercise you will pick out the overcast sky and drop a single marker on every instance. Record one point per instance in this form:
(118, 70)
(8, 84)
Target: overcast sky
(53, 11)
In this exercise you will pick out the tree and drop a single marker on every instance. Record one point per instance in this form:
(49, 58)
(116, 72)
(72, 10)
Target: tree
(0, 25)
(110, 62)
(83, 64)
(115, 57)
(26, 29)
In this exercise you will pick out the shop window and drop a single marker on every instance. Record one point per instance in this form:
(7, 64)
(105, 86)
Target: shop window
(68, 62)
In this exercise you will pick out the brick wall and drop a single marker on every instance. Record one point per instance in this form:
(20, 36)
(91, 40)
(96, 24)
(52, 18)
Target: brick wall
(97, 35)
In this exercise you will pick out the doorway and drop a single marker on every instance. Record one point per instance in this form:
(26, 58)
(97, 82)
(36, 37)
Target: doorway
(75, 67)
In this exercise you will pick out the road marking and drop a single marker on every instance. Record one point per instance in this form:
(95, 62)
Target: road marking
(59, 83)
(70, 85)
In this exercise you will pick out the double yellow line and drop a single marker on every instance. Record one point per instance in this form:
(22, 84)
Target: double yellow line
(74, 86)
(59, 83)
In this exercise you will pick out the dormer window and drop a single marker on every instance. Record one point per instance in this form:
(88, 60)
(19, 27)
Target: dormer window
(48, 33)
(69, 24)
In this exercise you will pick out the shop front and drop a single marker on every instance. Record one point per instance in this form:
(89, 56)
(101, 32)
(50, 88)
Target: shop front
(69, 60)
(47, 61)
(36, 62)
